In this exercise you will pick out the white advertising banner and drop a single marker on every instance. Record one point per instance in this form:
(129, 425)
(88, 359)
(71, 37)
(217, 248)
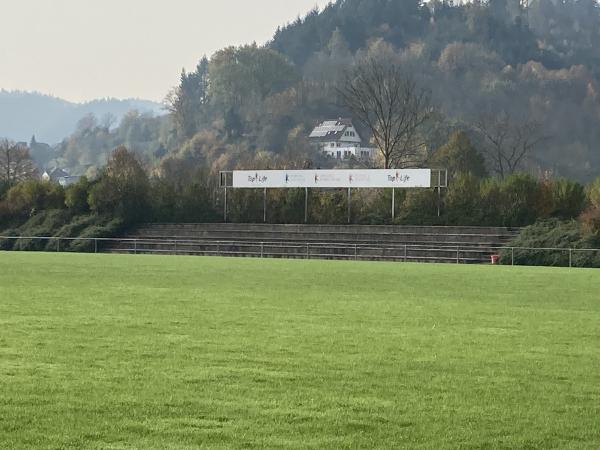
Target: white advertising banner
(405, 178)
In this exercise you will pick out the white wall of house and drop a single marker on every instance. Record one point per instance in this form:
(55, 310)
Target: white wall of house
(333, 144)
(345, 152)
(349, 139)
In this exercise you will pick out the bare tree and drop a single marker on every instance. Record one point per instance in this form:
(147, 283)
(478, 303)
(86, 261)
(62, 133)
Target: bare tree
(508, 143)
(15, 163)
(393, 108)
(107, 121)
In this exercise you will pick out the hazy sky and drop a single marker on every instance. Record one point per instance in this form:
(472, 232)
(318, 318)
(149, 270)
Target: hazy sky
(84, 49)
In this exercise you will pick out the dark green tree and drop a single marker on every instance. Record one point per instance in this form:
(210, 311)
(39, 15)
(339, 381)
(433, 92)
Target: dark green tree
(459, 155)
(123, 188)
(189, 101)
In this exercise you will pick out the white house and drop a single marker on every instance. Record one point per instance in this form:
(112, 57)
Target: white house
(60, 176)
(339, 139)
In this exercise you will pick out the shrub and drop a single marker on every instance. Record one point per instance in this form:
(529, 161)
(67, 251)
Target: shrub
(75, 227)
(245, 206)
(6, 219)
(108, 229)
(420, 208)
(44, 224)
(329, 207)
(590, 220)
(491, 199)
(522, 201)
(8, 244)
(374, 206)
(4, 187)
(76, 196)
(123, 190)
(28, 197)
(593, 193)
(553, 233)
(568, 199)
(78, 224)
(459, 155)
(463, 201)
(286, 206)
(292, 208)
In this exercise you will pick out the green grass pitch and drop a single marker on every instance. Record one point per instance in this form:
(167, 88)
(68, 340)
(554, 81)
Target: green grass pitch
(125, 352)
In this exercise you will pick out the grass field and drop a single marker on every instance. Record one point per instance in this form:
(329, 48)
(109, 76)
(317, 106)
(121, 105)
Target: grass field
(123, 352)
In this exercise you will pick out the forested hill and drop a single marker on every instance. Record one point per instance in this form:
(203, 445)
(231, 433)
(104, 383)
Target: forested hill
(537, 60)
(529, 71)
(51, 119)
(558, 34)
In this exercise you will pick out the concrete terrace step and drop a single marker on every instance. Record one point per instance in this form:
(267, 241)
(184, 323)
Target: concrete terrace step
(393, 243)
(368, 229)
(313, 243)
(463, 256)
(223, 246)
(413, 239)
(326, 234)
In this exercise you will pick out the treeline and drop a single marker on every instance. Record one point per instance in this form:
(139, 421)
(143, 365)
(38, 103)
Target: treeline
(557, 34)
(126, 194)
(122, 195)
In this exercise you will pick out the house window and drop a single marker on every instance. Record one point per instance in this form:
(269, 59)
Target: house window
(332, 144)
(339, 144)
(339, 155)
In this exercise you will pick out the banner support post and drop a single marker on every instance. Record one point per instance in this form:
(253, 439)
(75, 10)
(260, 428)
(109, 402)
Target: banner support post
(349, 204)
(439, 193)
(393, 203)
(225, 206)
(265, 205)
(305, 205)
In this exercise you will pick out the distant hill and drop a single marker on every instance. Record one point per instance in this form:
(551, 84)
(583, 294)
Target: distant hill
(51, 119)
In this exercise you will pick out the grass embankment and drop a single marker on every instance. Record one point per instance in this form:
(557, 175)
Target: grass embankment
(172, 352)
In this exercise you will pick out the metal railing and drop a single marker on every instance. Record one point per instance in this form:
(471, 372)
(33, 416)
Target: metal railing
(434, 252)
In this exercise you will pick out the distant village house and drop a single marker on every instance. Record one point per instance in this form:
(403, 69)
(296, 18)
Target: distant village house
(59, 176)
